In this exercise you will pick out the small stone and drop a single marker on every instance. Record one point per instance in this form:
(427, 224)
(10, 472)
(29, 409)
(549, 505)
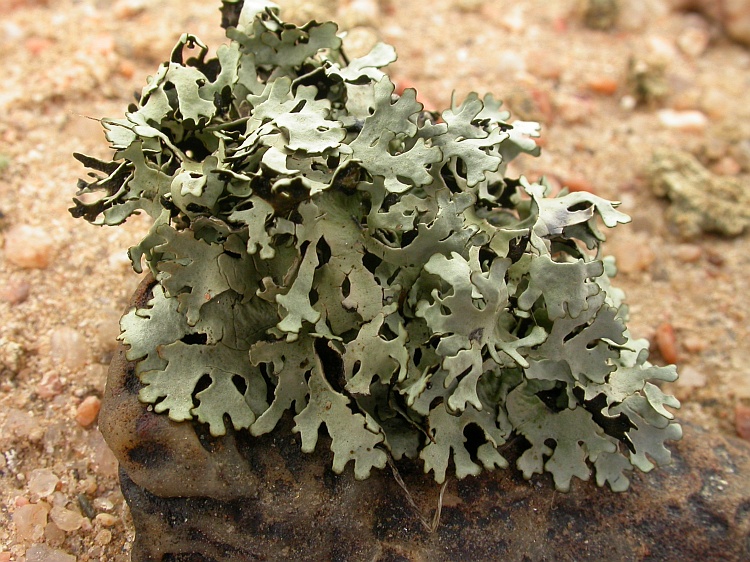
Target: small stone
(69, 348)
(30, 520)
(104, 460)
(726, 166)
(50, 386)
(107, 519)
(603, 85)
(359, 41)
(127, 9)
(693, 41)
(15, 291)
(67, 519)
(742, 421)
(633, 253)
(107, 331)
(695, 344)
(11, 357)
(666, 342)
(88, 410)
(688, 120)
(53, 535)
(28, 247)
(5, 556)
(691, 378)
(43, 482)
(688, 253)
(19, 424)
(43, 553)
(578, 183)
(103, 537)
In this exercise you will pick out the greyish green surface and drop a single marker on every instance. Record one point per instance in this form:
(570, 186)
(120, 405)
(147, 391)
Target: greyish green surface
(325, 247)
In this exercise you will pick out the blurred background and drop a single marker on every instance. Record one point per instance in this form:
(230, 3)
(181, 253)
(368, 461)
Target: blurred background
(643, 102)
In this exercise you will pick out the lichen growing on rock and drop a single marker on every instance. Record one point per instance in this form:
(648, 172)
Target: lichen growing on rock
(327, 248)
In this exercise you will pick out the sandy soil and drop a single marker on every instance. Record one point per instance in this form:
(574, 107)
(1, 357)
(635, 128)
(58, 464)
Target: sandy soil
(67, 62)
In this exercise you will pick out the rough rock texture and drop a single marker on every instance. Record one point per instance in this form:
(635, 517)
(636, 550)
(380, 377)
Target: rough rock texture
(701, 201)
(238, 498)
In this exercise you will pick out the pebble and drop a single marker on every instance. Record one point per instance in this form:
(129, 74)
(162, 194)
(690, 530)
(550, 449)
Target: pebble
(69, 348)
(42, 482)
(359, 41)
(688, 120)
(105, 462)
(43, 553)
(468, 6)
(107, 519)
(695, 344)
(50, 385)
(633, 254)
(30, 520)
(742, 421)
(693, 41)
(28, 247)
(88, 410)
(107, 330)
(666, 342)
(11, 357)
(19, 424)
(15, 291)
(726, 166)
(5, 556)
(603, 85)
(688, 253)
(53, 535)
(691, 378)
(67, 519)
(103, 537)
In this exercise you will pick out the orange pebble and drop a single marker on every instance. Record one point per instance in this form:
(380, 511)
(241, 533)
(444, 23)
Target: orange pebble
(88, 410)
(603, 85)
(666, 341)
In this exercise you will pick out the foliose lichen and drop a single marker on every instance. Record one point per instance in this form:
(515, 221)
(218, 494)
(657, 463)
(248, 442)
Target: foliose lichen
(326, 247)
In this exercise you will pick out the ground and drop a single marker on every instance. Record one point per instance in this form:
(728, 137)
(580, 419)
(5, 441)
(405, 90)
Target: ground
(608, 99)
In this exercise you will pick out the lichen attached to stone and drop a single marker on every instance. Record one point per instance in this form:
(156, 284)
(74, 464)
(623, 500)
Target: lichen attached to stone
(327, 248)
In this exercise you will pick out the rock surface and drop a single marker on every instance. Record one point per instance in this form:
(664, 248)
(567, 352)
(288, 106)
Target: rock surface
(700, 201)
(238, 498)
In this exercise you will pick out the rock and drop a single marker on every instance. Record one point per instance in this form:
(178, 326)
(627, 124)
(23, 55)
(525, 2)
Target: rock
(694, 40)
(30, 520)
(69, 348)
(666, 342)
(239, 498)
(67, 519)
(88, 410)
(700, 201)
(691, 378)
(15, 291)
(11, 357)
(43, 553)
(685, 120)
(42, 482)
(28, 247)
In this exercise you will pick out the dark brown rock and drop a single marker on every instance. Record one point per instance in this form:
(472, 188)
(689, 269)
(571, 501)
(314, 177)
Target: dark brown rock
(238, 498)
